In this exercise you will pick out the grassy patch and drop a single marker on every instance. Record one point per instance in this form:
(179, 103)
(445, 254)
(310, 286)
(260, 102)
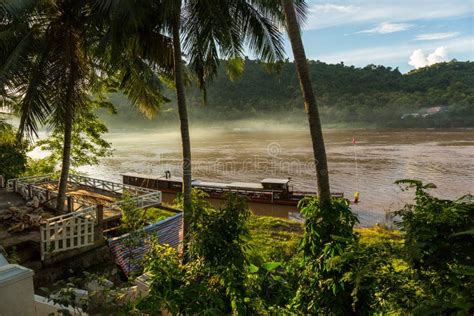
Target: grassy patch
(376, 235)
(273, 239)
(153, 215)
(277, 239)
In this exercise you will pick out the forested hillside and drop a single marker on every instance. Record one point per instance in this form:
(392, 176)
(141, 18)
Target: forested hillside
(348, 96)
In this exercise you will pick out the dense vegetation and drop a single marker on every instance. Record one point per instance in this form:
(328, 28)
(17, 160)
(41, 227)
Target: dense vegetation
(13, 158)
(336, 269)
(241, 264)
(372, 95)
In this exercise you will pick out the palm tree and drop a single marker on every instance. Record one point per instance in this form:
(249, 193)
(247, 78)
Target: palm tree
(212, 30)
(209, 30)
(183, 115)
(311, 108)
(54, 57)
(47, 65)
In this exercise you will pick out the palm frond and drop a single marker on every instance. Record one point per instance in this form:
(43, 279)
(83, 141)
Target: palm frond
(142, 86)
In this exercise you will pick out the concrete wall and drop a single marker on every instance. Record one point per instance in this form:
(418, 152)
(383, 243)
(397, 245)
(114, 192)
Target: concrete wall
(17, 297)
(16, 291)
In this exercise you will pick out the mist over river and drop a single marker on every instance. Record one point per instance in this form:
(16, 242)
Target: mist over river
(443, 157)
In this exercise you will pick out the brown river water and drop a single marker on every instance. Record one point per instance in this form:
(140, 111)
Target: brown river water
(443, 157)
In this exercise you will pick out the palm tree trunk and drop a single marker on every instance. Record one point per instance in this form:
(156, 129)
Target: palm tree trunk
(311, 108)
(183, 118)
(66, 159)
(68, 122)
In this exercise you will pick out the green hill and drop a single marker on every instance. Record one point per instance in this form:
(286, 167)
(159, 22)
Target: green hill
(349, 96)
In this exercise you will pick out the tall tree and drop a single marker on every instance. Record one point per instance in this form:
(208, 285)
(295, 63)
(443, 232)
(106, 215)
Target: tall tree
(56, 53)
(212, 30)
(48, 66)
(183, 115)
(322, 174)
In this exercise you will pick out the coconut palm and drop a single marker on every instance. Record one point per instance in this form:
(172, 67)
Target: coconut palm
(311, 108)
(211, 30)
(52, 62)
(208, 30)
(45, 61)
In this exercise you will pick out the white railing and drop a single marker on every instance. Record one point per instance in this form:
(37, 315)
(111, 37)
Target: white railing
(69, 231)
(77, 229)
(140, 201)
(119, 188)
(17, 183)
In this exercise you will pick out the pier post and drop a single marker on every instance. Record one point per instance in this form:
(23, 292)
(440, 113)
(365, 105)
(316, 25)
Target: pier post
(70, 204)
(99, 231)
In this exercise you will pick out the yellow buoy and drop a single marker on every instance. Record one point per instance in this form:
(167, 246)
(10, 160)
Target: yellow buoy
(356, 197)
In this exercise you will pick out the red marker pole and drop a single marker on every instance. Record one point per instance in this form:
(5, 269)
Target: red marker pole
(356, 193)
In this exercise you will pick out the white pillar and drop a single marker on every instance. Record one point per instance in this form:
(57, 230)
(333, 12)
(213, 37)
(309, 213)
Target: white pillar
(16, 290)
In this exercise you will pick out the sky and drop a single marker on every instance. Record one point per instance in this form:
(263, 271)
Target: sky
(407, 34)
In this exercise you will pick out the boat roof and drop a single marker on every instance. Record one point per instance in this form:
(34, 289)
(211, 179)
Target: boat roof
(241, 185)
(210, 184)
(275, 181)
(152, 177)
(140, 175)
(245, 185)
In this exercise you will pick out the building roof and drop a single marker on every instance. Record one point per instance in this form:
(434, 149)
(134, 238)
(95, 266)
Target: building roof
(275, 181)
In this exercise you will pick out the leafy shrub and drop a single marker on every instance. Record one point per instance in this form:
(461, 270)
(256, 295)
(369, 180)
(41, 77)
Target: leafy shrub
(38, 167)
(340, 274)
(213, 280)
(12, 153)
(328, 232)
(439, 246)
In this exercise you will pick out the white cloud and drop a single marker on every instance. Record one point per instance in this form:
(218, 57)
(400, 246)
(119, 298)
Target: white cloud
(386, 27)
(398, 53)
(436, 36)
(439, 55)
(328, 13)
(419, 59)
(328, 8)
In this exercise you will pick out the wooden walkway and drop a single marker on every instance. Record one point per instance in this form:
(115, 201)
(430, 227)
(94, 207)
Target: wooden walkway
(92, 205)
(86, 195)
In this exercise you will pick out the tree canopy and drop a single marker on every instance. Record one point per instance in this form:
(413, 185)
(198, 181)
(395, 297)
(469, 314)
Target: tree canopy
(376, 95)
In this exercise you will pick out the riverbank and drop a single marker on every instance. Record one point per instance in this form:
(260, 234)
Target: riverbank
(277, 239)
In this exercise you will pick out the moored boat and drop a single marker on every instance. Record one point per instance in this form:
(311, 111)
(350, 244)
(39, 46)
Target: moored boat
(268, 191)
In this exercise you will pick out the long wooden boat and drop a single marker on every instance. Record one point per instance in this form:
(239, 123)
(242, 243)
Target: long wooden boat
(268, 191)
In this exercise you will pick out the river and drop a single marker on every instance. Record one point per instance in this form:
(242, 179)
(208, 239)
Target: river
(378, 158)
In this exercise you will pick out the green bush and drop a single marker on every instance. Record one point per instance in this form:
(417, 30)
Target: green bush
(237, 267)
(439, 246)
(12, 153)
(212, 281)
(328, 234)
